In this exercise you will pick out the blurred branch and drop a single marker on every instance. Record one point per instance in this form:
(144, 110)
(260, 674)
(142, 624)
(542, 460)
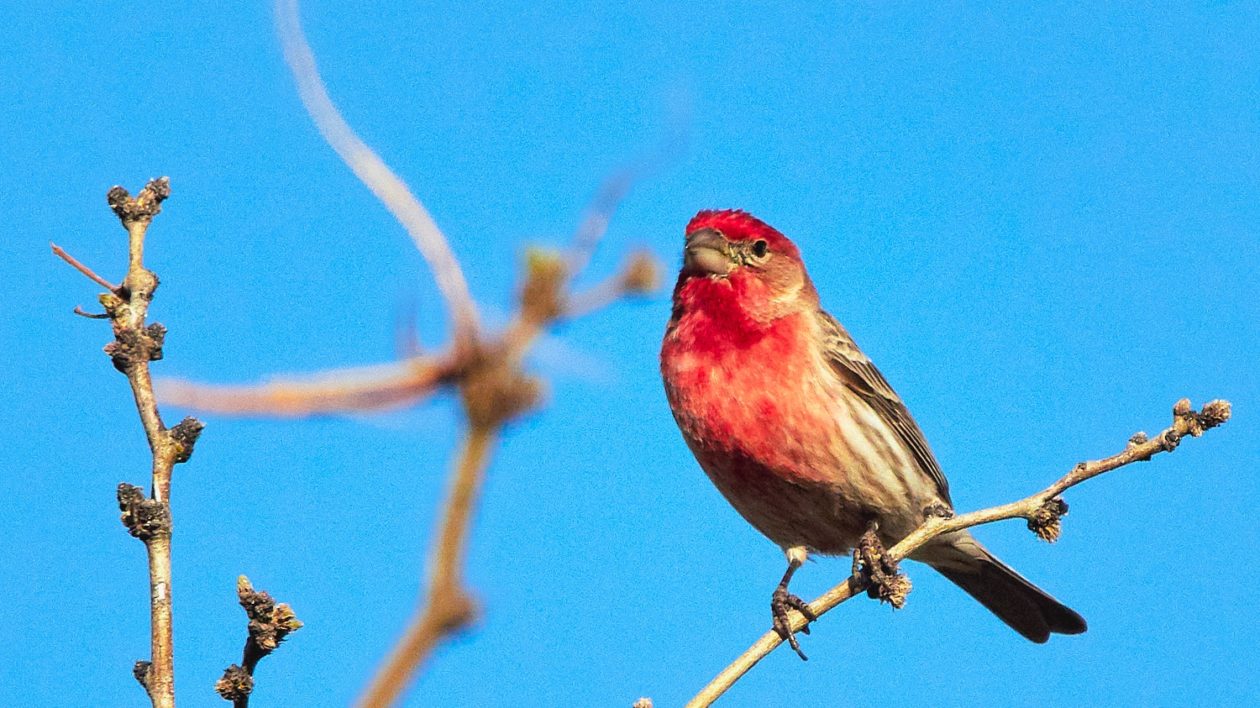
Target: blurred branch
(270, 623)
(374, 173)
(368, 388)
(641, 274)
(485, 368)
(1042, 510)
(598, 214)
(448, 606)
(494, 390)
(135, 345)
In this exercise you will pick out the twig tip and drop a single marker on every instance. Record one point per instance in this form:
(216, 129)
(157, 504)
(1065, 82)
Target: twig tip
(1216, 412)
(642, 274)
(144, 206)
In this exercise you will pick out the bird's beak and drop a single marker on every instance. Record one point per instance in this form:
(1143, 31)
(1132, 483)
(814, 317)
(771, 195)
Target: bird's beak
(707, 252)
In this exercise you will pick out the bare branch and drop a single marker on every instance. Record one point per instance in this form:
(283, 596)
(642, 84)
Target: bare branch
(374, 173)
(135, 345)
(1042, 510)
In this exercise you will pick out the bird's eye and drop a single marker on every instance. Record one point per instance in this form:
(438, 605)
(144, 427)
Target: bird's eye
(760, 248)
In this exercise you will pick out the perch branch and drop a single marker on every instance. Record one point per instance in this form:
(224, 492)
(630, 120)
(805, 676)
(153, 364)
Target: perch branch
(1042, 510)
(135, 345)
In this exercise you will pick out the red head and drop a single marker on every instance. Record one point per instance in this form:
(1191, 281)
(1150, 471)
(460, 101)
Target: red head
(740, 226)
(733, 260)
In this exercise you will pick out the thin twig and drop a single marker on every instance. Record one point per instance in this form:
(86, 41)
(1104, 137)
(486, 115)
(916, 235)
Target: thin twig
(375, 174)
(448, 606)
(74, 263)
(1040, 509)
(89, 315)
(599, 212)
(598, 215)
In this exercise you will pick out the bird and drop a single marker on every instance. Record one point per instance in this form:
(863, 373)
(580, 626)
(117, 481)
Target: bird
(800, 432)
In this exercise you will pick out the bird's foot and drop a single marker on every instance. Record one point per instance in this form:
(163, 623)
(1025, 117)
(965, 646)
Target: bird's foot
(873, 569)
(780, 603)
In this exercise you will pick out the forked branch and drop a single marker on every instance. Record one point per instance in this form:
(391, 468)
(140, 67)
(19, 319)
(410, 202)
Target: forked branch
(486, 368)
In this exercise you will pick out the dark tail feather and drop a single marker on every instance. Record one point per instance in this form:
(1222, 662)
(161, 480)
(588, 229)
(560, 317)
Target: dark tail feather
(1026, 608)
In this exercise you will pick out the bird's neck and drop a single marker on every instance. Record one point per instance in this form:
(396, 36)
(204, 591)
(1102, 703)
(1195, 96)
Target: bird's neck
(717, 318)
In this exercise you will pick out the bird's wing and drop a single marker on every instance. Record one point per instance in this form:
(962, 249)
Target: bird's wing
(860, 375)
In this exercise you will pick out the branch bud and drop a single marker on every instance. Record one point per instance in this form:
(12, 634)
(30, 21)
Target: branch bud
(545, 272)
(235, 684)
(497, 393)
(133, 346)
(185, 434)
(141, 672)
(269, 623)
(144, 518)
(1046, 521)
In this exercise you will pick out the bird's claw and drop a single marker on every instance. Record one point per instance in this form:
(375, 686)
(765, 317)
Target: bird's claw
(780, 603)
(873, 569)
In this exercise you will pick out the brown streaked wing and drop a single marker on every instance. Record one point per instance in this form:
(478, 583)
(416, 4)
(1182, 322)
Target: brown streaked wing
(857, 371)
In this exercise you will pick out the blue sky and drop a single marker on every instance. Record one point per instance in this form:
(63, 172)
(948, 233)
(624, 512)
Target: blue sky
(1041, 223)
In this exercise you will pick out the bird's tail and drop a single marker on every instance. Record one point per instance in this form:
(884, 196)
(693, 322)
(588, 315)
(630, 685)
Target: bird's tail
(1023, 606)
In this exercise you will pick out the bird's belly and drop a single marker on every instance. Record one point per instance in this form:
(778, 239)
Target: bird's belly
(789, 511)
(814, 475)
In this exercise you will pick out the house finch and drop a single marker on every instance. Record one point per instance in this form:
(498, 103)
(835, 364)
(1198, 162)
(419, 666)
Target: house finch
(799, 430)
